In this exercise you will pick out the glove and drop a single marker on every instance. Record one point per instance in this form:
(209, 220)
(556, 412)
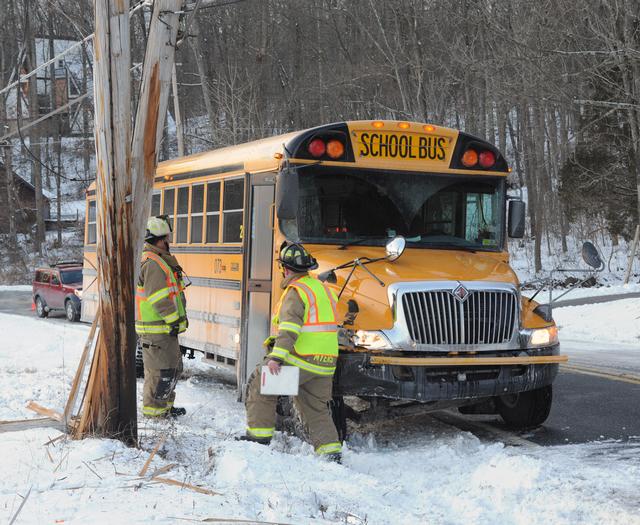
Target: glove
(175, 328)
(269, 342)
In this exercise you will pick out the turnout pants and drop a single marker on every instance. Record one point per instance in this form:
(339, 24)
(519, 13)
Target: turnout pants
(312, 401)
(162, 368)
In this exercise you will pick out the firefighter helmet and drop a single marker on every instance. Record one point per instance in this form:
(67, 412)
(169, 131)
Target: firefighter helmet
(296, 258)
(157, 227)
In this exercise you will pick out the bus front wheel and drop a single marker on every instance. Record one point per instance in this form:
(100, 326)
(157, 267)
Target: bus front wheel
(525, 410)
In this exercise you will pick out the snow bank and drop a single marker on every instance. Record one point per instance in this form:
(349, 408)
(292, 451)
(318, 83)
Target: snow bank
(614, 322)
(406, 471)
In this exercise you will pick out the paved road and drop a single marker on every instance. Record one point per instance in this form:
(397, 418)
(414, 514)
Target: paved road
(591, 401)
(19, 303)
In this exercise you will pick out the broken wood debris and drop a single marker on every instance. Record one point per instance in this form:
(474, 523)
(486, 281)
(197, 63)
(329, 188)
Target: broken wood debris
(181, 484)
(143, 472)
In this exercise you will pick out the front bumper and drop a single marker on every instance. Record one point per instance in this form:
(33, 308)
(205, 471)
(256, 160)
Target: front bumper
(429, 378)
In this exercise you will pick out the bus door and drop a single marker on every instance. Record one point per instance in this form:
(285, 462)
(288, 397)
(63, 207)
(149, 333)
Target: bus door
(258, 264)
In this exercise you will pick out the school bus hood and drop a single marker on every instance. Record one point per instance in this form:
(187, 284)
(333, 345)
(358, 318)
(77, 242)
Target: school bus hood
(413, 265)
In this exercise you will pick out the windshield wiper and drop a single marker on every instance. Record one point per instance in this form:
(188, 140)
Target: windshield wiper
(364, 239)
(445, 246)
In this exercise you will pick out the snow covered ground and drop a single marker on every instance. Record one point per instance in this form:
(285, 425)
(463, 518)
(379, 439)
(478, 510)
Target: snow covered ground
(407, 471)
(612, 322)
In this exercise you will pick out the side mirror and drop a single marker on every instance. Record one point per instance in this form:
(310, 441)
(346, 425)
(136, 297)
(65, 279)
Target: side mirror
(287, 189)
(328, 277)
(395, 247)
(516, 219)
(591, 256)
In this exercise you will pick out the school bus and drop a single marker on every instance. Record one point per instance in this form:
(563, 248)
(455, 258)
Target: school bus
(409, 224)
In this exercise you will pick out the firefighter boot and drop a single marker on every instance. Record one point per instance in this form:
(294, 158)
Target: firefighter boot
(177, 411)
(259, 440)
(335, 457)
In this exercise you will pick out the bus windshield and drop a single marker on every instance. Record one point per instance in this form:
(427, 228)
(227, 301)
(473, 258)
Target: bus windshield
(369, 207)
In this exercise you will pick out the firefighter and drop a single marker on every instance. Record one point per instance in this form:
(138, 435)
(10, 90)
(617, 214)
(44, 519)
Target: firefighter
(160, 317)
(306, 336)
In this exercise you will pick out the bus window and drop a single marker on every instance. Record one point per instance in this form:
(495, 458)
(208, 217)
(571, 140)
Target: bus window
(182, 215)
(213, 212)
(232, 210)
(91, 223)
(169, 205)
(197, 208)
(155, 204)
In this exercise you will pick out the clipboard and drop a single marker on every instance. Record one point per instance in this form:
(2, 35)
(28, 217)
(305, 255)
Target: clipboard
(284, 384)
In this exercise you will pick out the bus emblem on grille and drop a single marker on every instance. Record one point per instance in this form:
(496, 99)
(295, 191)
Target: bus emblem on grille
(461, 293)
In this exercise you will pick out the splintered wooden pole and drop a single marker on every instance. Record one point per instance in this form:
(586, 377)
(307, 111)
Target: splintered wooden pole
(110, 402)
(152, 110)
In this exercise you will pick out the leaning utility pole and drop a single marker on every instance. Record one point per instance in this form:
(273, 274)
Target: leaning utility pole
(126, 165)
(156, 86)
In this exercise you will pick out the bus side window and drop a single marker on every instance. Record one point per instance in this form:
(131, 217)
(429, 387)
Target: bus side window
(182, 215)
(168, 203)
(213, 213)
(232, 210)
(155, 204)
(197, 207)
(91, 223)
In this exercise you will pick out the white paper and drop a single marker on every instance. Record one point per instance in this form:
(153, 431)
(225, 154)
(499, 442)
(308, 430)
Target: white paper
(284, 384)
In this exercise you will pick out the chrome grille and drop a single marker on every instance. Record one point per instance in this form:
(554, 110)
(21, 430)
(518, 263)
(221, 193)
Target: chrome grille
(438, 318)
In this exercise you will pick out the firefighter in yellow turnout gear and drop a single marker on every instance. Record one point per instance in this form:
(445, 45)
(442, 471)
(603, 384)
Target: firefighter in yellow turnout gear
(160, 317)
(305, 327)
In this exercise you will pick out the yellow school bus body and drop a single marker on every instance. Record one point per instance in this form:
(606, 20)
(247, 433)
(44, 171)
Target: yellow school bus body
(219, 298)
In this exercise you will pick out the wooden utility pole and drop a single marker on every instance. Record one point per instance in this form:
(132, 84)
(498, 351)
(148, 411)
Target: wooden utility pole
(126, 164)
(110, 403)
(152, 110)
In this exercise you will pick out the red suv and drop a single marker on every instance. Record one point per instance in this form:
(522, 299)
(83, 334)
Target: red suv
(58, 288)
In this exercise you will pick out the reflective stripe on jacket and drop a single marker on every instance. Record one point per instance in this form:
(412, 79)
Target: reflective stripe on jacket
(159, 297)
(306, 324)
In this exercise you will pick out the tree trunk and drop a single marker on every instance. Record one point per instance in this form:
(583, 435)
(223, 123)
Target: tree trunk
(57, 136)
(7, 147)
(34, 135)
(196, 45)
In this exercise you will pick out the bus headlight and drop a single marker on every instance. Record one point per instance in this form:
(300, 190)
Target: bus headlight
(542, 336)
(373, 340)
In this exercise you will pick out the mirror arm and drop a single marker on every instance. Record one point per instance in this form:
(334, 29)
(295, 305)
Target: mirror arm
(380, 281)
(346, 282)
(537, 292)
(356, 263)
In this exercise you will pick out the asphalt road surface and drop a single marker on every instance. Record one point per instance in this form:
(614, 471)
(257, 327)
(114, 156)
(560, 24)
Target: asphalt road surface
(19, 303)
(593, 401)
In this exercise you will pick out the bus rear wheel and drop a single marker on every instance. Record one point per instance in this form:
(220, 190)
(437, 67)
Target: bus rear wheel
(525, 410)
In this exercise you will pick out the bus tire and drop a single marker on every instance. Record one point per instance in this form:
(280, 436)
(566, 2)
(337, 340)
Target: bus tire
(526, 410)
(139, 362)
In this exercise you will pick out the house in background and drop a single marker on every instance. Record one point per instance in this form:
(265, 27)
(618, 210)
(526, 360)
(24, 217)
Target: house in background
(25, 198)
